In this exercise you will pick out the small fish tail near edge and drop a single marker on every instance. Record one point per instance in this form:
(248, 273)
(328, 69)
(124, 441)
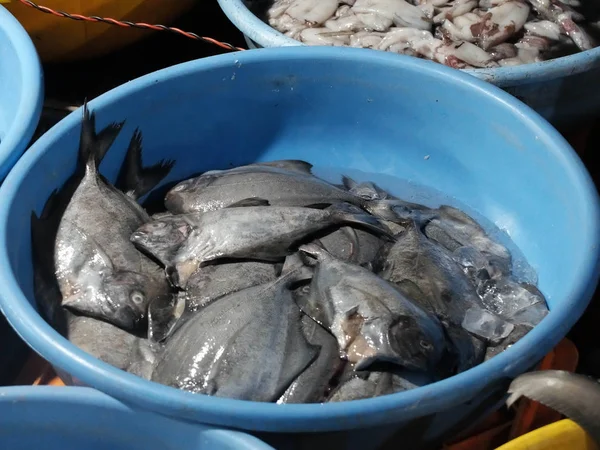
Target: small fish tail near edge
(94, 146)
(135, 179)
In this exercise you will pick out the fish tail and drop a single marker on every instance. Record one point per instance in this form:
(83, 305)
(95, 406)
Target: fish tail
(135, 179)
(348, 214)
(93, 146)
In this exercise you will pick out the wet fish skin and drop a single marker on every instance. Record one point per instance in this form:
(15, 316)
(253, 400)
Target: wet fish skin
(99, 272)
(164, 313)
(371, 319)
(248, 345)
(102, 340)
(368, 385)
(573, 395)
(214, 281)
(366, 190)
(311, 385)
(516, 335)
(352, 245)
(163, 236)
(265, 233)
(453, 228)
(278, 184)
(427, 274)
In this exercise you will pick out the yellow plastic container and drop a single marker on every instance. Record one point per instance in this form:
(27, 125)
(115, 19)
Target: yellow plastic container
(561, 435)
(60, 39)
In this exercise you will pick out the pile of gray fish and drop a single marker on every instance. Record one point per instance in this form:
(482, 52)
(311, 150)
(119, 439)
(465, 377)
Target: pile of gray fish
(264, 282)
(457, 33)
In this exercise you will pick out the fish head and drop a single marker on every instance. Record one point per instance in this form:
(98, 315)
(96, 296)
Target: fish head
(162, 238)
(419, 344)
(130, 294)
(182, 196)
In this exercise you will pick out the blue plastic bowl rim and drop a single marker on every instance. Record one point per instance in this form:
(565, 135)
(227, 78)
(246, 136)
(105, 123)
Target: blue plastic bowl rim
(258, 31)
(31, 99)
(84, 396)
(428, 399)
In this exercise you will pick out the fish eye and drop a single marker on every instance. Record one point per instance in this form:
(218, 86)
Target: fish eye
(137, 297)
(425, 345)
(180, 187)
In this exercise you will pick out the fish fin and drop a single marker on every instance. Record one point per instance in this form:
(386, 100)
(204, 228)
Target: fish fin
(295, 165)
(136, 180)
(458, 215)
(349, 214)
(318, 205)
(348, 182)
(315, 250)
(252, 201)
(93, 146)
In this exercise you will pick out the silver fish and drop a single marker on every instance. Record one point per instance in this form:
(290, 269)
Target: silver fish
(102, 340)
(164, 316)
(352, 245)
(366, 190)
(265, 233)
(99, 272)
(516, 335)
(453, 229)
(214, 281)
(369, 385)
(311, 385)
(279, 184)
(248, 345)
(371, 320)
(428, 275)
(573, 395)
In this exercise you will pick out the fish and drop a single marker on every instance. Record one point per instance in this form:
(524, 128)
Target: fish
(102, 340)
(366, 190)
(165, 315)
(265, 233)
(311, 385)
(248, 345)
(516, 335)
(99, 272)
(427, 274)
(453, 228)
(573, 395)
(214, 281)
(281, 184)
(371, 319)
(143, 358)
(352, 245)
(369, 384)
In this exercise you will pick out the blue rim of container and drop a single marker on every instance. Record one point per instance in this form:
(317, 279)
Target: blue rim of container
(298, 417)
(260, 32)
(32, 96)
(83, 396)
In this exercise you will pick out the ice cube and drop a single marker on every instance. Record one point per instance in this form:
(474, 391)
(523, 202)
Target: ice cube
(508, 298)
(486, 325)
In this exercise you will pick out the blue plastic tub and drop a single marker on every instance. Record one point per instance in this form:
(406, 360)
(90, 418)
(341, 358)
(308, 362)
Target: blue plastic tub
(565, 91)
(337, 108)
(75, 418)
(21, 90)
(21, 94)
